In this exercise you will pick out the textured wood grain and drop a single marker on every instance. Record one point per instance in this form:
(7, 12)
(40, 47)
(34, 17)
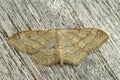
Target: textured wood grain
(20, 15)
(52, 46)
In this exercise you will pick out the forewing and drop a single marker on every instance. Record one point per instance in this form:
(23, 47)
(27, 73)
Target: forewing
(41, 45)
(80, 42)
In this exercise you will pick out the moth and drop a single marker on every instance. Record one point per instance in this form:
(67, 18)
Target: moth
(49, 47)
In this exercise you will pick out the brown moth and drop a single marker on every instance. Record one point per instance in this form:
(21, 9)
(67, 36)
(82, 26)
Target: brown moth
(58, 46)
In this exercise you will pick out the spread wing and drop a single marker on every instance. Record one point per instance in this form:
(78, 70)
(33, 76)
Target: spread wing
(41, 45)
(77, 44)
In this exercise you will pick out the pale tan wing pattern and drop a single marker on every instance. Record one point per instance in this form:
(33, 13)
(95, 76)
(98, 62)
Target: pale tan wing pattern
(51, 46)
(41, 45)
(77, 44)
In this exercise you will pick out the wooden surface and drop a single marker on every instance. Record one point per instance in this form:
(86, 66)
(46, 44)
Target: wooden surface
(19, 15)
